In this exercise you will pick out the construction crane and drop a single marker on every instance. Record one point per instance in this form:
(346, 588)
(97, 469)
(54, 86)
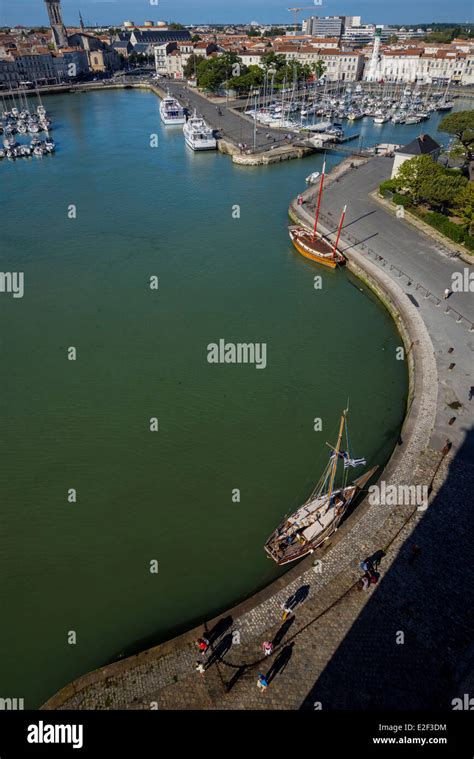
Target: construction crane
(306, 8)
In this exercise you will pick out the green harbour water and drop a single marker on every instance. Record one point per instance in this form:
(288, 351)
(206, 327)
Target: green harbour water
(142, 353)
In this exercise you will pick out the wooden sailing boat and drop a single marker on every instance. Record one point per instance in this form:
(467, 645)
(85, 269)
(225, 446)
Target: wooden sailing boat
(313, 246)
(319, 517)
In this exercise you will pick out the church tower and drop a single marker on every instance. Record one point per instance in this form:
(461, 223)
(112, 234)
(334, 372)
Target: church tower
(55, 19)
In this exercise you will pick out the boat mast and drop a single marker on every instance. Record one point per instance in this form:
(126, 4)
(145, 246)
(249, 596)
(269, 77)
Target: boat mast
(339, 231)
(336, 457)
(319, 200)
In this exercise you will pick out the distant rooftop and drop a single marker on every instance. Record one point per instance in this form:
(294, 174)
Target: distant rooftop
(422, 145)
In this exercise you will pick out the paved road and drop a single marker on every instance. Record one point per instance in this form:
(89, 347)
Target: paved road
(232, 126)
(419, 256)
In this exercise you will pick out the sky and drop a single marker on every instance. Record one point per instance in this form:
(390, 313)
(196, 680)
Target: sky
(33, 12)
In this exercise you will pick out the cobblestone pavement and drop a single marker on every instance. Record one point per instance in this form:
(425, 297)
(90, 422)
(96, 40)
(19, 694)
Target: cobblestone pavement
(402, 644)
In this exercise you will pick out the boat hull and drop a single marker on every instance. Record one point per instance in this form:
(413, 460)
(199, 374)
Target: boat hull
(318, 251)
(180, 120)
(296, 551)
(201, 145)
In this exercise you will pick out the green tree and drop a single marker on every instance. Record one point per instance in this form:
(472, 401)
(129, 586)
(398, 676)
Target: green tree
(319, 67)
(174, 26)
(276, 32)
(461, 125)
(392, 39)
(413, 176)
(213, 72)
(463, 204)
(293, 70)
(273, 61)
(192, 63)
(246, 82)
(442, 187)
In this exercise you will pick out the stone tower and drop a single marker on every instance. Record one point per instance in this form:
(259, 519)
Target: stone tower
(55, 19)
(375, 59)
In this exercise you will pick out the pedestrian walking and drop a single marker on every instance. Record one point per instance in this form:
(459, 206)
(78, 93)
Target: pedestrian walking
(267, 647)
(262, 682)
(374, 577)
(200, 667)
(300, 200)
(447, 293)
(286, 612)
(471, 392)
(202, 644)
(364, 582)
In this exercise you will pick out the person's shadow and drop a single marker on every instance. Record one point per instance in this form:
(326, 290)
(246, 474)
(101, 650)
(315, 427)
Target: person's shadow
(282, 632)
(220, 650)
(280, 662)
(375, 559)
(238, 674)
(298, 597)
(219, 629)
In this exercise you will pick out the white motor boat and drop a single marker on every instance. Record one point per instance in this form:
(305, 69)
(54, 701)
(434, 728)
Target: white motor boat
(313, 177)
(171, 112)
(199, 135)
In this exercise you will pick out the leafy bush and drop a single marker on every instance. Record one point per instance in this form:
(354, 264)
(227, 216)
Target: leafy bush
(401, 200)
(469, 243)
(386, 187)
(448, 228)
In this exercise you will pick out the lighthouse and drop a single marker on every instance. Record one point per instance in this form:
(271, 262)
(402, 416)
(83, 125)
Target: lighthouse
(374, 61)
(56, 21)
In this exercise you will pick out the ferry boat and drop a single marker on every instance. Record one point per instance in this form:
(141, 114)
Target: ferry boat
(171, 112)
(199, 135)
(319, 517)
(314, 246)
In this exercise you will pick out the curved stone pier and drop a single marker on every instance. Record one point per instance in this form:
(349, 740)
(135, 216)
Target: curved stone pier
(310, 641)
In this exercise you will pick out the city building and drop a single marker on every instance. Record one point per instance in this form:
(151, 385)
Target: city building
(177, 59)
(329, 26)
(422, 145)
(161, 52)
(358, 36)
(145, 41)
(424, 65)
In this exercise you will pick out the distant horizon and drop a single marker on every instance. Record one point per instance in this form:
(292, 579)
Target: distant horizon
(274, 24)
(32, 13)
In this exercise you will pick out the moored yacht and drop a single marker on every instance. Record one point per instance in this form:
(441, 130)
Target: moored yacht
(171, 112)
(199, 135)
